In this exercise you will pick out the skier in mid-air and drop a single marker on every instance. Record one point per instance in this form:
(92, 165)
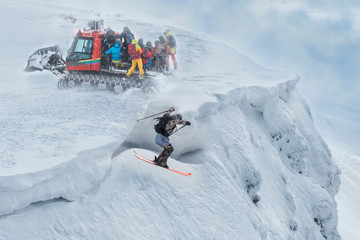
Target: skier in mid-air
(165, 127)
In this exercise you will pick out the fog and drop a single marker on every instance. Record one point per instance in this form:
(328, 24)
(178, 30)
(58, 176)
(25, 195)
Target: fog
(319, 41)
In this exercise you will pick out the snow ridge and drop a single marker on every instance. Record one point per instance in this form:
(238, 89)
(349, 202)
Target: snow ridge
(264, 140)
(68, 180)
(250, 125)
(255, 144)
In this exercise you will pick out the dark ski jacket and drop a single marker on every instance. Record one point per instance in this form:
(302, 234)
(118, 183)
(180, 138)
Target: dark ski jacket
(171, 124)
(127, 37)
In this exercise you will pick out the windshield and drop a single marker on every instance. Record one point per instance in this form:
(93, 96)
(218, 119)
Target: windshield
(81, 49)
(84, 46)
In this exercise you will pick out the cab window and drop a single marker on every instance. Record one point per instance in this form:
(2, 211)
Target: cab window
(82, 49)
(84, 45)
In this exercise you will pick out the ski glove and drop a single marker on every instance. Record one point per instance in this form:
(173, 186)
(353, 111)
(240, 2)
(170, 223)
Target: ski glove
(187, 123)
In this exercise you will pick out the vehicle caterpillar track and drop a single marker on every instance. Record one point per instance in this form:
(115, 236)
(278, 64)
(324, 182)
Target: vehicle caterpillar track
(116, 82)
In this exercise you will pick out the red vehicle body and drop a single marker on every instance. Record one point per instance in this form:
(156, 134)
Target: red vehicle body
(85, 53)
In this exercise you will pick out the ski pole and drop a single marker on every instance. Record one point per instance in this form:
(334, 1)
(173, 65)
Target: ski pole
(179, 129)
(171, 109)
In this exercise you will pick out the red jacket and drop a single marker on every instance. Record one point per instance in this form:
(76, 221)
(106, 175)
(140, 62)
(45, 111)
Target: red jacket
(135, 55)
(146, 55)
(163, 50)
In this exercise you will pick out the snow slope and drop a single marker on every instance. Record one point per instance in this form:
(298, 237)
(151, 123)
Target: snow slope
(340, 127)
(260, 169)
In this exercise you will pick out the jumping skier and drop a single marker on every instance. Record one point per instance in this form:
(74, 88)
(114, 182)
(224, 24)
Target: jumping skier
(165, 127)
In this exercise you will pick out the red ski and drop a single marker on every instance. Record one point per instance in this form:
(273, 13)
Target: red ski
(145, 159)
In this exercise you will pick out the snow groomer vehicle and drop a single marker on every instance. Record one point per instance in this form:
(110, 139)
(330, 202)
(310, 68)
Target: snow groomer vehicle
(86, 61)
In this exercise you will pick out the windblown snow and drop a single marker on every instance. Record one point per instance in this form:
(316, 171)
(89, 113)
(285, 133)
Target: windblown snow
(260, 169)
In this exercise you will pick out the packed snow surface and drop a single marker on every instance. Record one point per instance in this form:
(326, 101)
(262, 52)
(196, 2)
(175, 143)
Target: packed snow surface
(260, 169)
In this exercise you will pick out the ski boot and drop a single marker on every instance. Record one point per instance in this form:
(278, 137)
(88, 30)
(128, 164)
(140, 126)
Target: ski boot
(156, 161)
(163, 164)
(160, 163)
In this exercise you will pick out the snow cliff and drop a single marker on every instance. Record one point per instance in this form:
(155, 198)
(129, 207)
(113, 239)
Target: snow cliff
(260, 169)
(256, 159)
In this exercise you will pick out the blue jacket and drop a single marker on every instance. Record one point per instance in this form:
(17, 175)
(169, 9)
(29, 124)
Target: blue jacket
(115, 51)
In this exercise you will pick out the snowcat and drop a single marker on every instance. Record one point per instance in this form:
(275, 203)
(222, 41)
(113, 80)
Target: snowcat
(87, 61)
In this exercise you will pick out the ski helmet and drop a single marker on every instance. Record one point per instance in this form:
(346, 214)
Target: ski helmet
(141, 42)
(176, 116)
(162, 39)
(126, 29)
(148, 44)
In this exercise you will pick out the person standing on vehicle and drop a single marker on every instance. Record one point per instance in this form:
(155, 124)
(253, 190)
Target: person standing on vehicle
(148, 55)
(165, 127)
(115, 52)
(135, 52)
(145, 54)
(126, 37)
(172, 44)
(155, 56)
(162, 52)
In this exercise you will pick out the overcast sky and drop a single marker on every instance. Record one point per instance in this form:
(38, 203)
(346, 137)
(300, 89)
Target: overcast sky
(318, 40)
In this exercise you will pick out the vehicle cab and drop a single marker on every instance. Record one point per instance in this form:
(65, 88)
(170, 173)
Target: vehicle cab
(85, 52)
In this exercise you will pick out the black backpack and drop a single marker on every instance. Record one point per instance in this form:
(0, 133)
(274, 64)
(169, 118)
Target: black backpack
(160, 126)
(171, 41)
(145, 53)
